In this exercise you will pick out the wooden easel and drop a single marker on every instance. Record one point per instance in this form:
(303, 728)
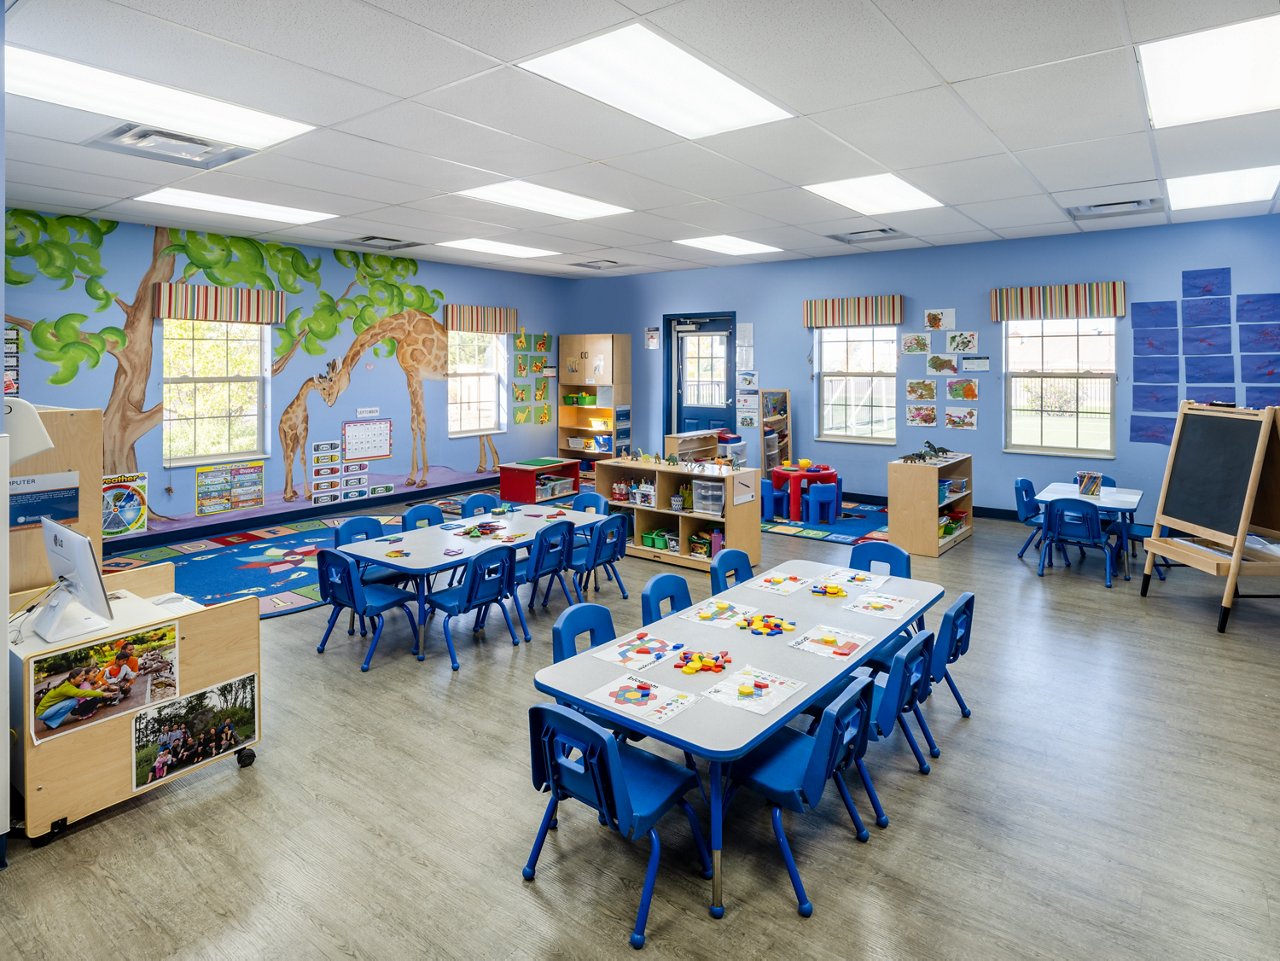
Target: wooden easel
(1222, 483)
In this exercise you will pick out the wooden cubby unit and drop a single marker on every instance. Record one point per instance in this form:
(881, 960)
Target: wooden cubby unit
(598, 365)
(914, 505)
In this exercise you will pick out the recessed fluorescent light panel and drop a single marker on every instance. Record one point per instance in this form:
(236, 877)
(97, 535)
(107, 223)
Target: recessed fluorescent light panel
(1225, 72)
(1220, 189)
(497, 247)
(518, 193)
(191, 200)
(724, 244)
(54, 80)
(637, 71)
(877, 194)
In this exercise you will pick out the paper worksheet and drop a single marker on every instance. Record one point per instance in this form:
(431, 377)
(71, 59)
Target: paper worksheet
(633, 695)
(715, 613)
(764, 690)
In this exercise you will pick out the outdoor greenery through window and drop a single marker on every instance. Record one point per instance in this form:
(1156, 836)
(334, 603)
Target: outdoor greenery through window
(857, 379)
(1060, 377)
(215, 390)
(477, 369)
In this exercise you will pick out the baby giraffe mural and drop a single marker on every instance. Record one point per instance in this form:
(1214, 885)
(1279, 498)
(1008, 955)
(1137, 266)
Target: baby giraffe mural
(293, 431)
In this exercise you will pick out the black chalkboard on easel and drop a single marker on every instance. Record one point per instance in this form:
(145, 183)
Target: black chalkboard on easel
(1209, 472)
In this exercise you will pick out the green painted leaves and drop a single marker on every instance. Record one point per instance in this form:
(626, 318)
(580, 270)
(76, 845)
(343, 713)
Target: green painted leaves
(64, 344)
(65, 249)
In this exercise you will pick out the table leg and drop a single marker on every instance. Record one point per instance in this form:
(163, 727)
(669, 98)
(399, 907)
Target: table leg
(794, 486)
(717, 839)
(422, 600)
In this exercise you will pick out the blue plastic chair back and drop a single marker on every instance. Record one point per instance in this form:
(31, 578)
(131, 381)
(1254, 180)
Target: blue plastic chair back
(952, 641)
(489, 575)
(908, 676)
(663, 587)
(421, 515)
(841, 737)
(591, 619)
(357, 529)
(552, 550)
(479, 504)
(1075, 520)
(880, 552)
(608, 541)
(574, 757)
(339, 577)
(729, 561)
(591, 501)
(1024, 496)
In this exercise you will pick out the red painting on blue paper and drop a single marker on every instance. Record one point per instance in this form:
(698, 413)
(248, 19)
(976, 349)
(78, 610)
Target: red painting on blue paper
(1155, 341)
(1259, 338)
(1207, 312)
(1206, 340)
(1260, 368)
(1258, 309)
(1155, 313)
(1206, 283)
(1151, 430)
(1211, 370)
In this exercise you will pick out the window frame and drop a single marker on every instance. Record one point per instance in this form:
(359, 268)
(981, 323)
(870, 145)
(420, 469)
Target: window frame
(262, 378)
(884, 334)
(699, 339)
(498, 376)
(1079, 375)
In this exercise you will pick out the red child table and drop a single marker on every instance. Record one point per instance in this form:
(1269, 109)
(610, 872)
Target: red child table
(518, 481)
(796, 478)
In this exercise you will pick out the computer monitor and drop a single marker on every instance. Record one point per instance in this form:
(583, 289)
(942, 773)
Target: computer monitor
(78, 604)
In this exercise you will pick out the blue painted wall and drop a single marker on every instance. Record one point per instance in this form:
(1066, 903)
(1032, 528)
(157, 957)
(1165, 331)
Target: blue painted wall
(1150, 260)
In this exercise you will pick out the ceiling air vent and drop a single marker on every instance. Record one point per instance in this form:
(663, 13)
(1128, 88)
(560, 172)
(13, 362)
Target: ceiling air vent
(380, 243)
(598, 264)
(165, 145)
(866, 236)
(1120, 208)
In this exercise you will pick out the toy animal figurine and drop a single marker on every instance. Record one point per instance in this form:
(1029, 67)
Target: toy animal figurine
(673, 460)
(936, 451)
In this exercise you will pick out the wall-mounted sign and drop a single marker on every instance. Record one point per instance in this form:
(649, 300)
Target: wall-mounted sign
(230, 487)
(55, 496)
(124, 504)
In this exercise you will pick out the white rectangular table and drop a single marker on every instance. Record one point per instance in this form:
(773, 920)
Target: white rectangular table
(1123, 501)
(721, 733)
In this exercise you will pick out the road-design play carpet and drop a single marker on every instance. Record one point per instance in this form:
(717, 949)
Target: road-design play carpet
(277, 565)
(861, 522)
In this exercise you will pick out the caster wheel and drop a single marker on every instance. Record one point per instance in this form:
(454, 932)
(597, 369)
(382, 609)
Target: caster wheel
(245, 757)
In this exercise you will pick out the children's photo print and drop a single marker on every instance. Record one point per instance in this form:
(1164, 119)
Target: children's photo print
(191, 730)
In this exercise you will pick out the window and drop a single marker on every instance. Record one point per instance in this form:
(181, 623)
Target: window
(477, 369)
(215, 390)
(1060, 385)
(857, 379)
(703, 371)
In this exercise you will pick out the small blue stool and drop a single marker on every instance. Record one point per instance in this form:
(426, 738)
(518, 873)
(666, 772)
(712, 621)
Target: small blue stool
(818, 504)
(772, 501)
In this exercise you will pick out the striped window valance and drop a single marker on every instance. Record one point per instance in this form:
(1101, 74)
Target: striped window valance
(238, 305)
(853, 311)
(480, 320)
(1057, 301)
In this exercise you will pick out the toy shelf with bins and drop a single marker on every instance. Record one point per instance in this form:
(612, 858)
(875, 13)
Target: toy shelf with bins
(740, 523)
(594, 385)
(915, 504)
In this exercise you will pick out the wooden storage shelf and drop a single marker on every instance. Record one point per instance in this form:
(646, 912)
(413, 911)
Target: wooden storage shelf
(598, 365)
(692, 444)
(914, 505)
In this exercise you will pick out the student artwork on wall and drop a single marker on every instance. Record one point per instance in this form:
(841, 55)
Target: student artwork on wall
(1155, 370)
(942, 364)
(922, 389)
(922, 415)
(1260, 368)
(541, 388)
(1206, 283)
(519, 392)
(1200, 394)
(1262, 396)
(963, 388)
(520, 340)
(537, 363)
(917, 343)
(1206, 312)
(1258, 309)
(962, 418)
(1156, 341)
(1259, 338)
(1151, 430)
(542, 343)
(1155, 397)
(940, 318)
(522, 414)
(522, 365)
(542, 414)
(962, 341)
(1207, 370)
(1206, 340)
(124, 504)
(1161, 313)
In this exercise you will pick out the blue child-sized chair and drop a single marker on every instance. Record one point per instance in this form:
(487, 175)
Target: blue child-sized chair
(951, 644)
(1070, 520)
(660, 589)
(729, 562)
(487, 578)
(340, 585)
(902, 681)
(421, 515)
(549, 557)
(356, 529)
(792, 768)
(818, 504)
(591, 502)
(1030, 513)
(881, 557)
(629, 788)
(481, 503)
(606, 546)
(772, 501)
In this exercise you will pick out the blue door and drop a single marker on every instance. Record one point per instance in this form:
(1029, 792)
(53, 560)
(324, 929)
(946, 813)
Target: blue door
(700, 371)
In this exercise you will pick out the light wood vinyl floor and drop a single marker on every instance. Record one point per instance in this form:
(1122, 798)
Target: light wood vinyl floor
(1115, 795)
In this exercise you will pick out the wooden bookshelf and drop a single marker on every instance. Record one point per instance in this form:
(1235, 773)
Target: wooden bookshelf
(692, 444)
(598, 366)
(914, 505)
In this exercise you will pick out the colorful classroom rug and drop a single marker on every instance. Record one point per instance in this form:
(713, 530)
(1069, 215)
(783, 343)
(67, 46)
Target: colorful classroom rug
(277, 565)
(453, 505)
(860, 522)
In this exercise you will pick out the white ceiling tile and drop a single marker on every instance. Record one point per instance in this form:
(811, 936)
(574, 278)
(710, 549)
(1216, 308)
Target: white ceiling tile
(936, 220)
(1229, 144)
(811, 56)
(40, 119)
(1038, 230)
(39, 175)
(1018, 212)
(797, 151)
(595, 233)
(715, 217)
(843, 225)
(690, 167)
(790, 205)
(533, 107)
(55, 153)
(647, 6)
(625, 259)
(897, 243)
(283, 169)
(1111, 160)
(694, 255)
(113, 37)
(964, 237)
(411, 125)
(546, 241)
(1221, 213)
(267, 192)
(1154, 19)
(1111, 194)
(613, 186)
(344, 151)
(787, 238)
(779, 255)
(346, 38)
(965, 40)
(644, 224)
(1042, 106)
(508, 29)
(311, 234)
(469, 208)
(51, 199)
(970, 181)
(136, 212)
(843, 250)
(1121, 223)
(425, 226)
(450, 255)
(922, 127)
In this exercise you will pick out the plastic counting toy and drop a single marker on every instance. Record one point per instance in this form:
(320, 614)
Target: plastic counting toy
(691, 662)
(766, 624)
(828, 590)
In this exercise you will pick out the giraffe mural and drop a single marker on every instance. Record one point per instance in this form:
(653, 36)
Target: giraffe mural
(293, 431)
